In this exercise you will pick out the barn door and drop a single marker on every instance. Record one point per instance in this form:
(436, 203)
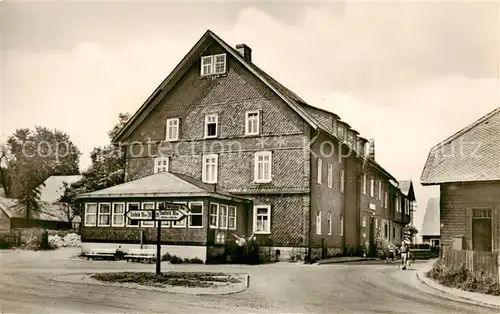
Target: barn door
(481, 230)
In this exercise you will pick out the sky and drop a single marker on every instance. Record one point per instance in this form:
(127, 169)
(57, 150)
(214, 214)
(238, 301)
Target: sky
(406, 74)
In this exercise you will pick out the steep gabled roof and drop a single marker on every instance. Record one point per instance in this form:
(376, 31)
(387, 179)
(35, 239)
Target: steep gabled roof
(52, 189)
(286, 95)
(406, 188)
(472, 154)
(293, 100)
(163, 184)
(432, 219)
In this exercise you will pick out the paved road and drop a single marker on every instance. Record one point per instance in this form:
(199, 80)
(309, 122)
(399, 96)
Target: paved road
(27, 287)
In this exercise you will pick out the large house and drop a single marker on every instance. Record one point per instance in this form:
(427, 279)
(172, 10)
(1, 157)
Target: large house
(247, 156)
(466, 166)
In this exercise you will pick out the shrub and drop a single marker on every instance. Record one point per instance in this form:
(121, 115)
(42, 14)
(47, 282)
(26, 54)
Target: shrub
(166, 257)
(461, 278)
(44, 242)
(196, 260)
(174, 259)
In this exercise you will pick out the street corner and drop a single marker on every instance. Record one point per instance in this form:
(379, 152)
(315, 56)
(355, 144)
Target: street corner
(195, 285)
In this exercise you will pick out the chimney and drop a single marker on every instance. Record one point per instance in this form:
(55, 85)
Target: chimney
(371, 149)
(245, 52)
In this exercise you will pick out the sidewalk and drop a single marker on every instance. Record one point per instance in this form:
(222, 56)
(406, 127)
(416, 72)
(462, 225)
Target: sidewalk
(453, 293)
(345, 259)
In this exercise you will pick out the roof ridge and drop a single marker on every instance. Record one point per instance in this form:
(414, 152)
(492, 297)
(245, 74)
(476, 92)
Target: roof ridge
(469, 127)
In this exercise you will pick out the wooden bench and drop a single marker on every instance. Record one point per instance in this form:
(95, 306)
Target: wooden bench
(109, 254)
(140, 255)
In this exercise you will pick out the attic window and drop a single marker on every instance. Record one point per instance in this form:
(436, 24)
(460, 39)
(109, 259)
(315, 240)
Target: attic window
(215, 64)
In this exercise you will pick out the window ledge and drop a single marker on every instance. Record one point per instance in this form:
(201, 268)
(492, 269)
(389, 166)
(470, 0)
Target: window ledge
(195, 227)
(263, 182)
(214, 75)
(262, 232)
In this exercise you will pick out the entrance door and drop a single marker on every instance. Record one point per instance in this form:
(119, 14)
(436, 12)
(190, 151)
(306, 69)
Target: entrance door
(481, 230)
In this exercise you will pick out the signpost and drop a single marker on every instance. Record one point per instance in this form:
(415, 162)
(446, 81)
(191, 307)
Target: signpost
(165, 212)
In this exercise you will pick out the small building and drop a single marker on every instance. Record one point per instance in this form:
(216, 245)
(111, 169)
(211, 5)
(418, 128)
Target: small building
(13, 216)
(199, 235)
(53, 188)
(466, 166)
(430, 230)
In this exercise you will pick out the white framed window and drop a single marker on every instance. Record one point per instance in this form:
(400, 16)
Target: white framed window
(231, 223)
(118, 215)
(398, 204)
(330, 175)
(329, 219)
(262, 219)
(207, 65)
(215, 64)
(214, 215)
(341, 225)
(364, 184)
(172, 132)
(379, 196)
(372, 187)
(342, 180)
(196, 215)
(252, 122)
(220, 63)
(209, 171)
(407, 207)
(376, 223)
(161, 164)
(223, 210)
(104, 219)
(363, 223)
(318, 222)
(148, 223)
(132, 222)
(385, 199)
(211, 125)
(179, 223)
(320, 170)
(90, 214)
(263, 167)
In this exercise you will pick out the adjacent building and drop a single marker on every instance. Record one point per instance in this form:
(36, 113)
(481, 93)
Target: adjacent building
(430, 230)
(247, 156)
(466, 166)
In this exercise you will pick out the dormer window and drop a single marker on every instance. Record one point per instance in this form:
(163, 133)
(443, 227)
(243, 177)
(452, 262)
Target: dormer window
(340, 131)
(215, 64)
(350, 139)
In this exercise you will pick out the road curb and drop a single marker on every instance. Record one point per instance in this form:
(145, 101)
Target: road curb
(84, 278)
(449, 295)
(361, 259)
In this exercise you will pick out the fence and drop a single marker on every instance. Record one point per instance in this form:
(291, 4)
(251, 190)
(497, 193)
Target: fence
(9, 239)
(472, 260)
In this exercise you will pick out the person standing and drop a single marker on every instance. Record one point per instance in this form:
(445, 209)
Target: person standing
(404, 254)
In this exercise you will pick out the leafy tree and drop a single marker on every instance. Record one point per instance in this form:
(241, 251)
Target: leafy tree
(31, 156)
(107, 169)
(409, 232)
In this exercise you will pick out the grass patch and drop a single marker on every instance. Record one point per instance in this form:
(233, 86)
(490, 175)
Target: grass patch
(185, 279)
(464, 279)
